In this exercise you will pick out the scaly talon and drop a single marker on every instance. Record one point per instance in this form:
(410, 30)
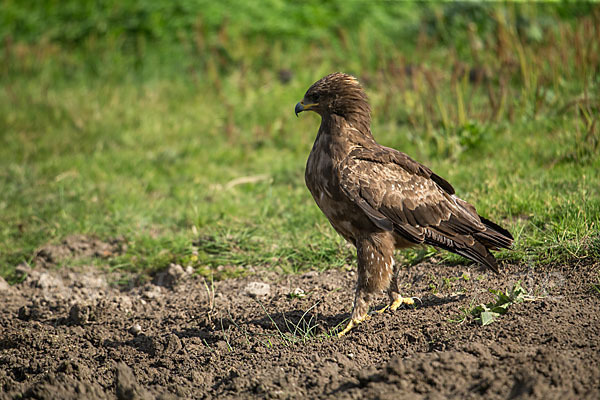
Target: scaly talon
(382, 310)
(353, 322)
(402, 300)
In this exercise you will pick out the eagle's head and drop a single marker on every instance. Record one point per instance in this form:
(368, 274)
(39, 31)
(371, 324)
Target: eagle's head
(339, 94)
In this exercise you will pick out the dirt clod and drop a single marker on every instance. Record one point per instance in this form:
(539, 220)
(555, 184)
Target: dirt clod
(4, 286)
(80, 315)
(170, 277)
(257, 289)
(127, 386)
(76, 336)
(30, 312)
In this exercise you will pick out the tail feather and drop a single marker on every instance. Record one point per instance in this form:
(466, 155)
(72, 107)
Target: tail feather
(475, 246)
(494, 237)
(479, 253)
(463, 245)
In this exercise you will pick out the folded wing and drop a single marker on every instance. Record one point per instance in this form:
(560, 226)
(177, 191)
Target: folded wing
(401, 195)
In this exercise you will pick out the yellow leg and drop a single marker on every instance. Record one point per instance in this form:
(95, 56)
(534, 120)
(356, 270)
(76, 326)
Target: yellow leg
(402, 300)
(353, 322)
(382, 309)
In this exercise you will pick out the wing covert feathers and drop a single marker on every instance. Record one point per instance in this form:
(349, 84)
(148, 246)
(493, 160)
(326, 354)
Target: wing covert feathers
(400, 194)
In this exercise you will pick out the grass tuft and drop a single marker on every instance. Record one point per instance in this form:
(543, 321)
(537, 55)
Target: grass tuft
(179, 136)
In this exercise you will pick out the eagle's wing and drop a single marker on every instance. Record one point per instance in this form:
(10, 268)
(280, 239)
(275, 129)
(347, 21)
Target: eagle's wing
(401, 195)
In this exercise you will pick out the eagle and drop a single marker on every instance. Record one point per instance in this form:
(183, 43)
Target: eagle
(379, 199)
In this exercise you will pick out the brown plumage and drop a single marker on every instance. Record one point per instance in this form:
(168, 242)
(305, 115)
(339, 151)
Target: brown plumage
(379, 199)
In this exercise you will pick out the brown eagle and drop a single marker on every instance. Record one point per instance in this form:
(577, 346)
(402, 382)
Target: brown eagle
(380, 199)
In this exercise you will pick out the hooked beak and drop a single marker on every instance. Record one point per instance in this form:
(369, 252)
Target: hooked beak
(304, 107)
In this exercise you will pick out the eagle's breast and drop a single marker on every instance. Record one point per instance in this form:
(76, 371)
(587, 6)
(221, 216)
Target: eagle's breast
(322, 179)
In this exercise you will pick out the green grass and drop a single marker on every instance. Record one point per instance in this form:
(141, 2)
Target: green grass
(201, 161)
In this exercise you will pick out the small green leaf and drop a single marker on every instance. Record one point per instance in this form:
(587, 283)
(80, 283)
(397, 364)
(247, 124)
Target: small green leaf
(487, 317)
(487, 313)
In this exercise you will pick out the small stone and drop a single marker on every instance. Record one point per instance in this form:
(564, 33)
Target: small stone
(135, 329)
(257, 289)
(298, 292)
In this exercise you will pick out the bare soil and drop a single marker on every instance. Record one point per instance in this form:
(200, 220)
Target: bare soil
(67, 334)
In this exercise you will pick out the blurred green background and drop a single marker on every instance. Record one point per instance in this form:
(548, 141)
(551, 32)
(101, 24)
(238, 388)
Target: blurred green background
(168, 126)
